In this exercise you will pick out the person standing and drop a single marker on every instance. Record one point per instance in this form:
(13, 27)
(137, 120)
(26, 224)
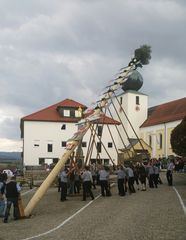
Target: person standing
(12, 190)
(151, 174)
(142, 176)
(2, 195)
(104, 181)
(59, 183)
(121, 180)
(63, 182)
(87, 183)
(136, 174)
(169, 174)
(130, 175)
(156, 175)
(77, 182)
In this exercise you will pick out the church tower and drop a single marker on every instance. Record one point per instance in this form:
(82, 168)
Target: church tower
(133, 109)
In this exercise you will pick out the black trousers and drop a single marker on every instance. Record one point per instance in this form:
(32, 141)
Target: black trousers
(169, 177)
(151, 180)
(77, 185)
(143, 179)
(59, 184)
(131, 185)
(104, 188)
(156, 176)
(121, 189)
(63, 191)
(87, 189)
(11, 201)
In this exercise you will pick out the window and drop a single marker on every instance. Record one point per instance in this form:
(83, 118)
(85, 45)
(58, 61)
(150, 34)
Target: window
(93, 161)
(137, 100)
(99, 147)
(36, 143)
(84, 144)
(150, 140)
(99, 161)
(49, 147)
(121, 100)
(63, 127)
(63, 144)
(160, 141)
(109, 144)
(55, 160)
(66, 113)
(106, 161)
(41, 161)
(77, 114)
(100, 128)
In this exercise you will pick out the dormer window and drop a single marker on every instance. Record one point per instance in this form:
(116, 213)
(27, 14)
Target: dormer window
(66, 113)
(77, 113)
(69, 112)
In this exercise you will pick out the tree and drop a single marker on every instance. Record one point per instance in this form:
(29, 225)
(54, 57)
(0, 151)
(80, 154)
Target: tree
(178, 139)
(143, 54)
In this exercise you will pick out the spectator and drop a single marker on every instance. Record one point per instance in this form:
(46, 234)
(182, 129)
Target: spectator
(12, 190)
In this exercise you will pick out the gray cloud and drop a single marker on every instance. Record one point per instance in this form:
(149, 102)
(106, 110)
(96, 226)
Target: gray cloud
(71, 49)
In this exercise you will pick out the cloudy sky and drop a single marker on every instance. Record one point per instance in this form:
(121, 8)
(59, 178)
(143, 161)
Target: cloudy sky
(56, 49)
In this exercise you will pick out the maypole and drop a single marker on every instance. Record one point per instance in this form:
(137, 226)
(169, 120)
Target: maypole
(142, 56)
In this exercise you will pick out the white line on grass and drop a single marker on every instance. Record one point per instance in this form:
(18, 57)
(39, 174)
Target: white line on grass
(63, 223)
(181, 201)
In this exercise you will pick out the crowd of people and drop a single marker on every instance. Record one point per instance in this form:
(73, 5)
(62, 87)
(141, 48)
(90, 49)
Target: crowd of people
(130, 177)
(72, 180)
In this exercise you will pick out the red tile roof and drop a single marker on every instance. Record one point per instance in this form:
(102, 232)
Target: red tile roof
(107, 120)
(50, 114)
(167, 112)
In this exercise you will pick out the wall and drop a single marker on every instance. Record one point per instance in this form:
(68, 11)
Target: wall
(154, 131)
(136, 113)
(43, 133)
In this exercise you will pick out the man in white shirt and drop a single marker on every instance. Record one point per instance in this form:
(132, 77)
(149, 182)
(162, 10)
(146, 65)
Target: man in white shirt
(87, 182)
(170, 169)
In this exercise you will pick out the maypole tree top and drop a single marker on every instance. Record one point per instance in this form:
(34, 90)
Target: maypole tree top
(143, 54)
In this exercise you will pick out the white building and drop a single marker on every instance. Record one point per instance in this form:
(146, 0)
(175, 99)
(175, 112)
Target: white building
(46, 132)
(132, 107)
(162, 119)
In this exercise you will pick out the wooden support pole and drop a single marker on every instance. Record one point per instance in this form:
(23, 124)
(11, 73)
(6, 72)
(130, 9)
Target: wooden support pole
(131, 125)
(55, 171)
(120, 135)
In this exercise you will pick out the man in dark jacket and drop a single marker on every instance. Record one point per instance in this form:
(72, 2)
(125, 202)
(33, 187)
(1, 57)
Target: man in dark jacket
(12, 190)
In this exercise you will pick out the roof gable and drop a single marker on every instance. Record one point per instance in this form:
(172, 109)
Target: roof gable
(167, 112)
(51, 114)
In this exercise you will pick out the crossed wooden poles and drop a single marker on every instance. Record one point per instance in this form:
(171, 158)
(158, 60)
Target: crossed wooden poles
(87, 123)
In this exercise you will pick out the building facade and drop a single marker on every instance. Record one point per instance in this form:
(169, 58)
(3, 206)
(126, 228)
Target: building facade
(132, 108)
(162, 119)
(45, 134)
